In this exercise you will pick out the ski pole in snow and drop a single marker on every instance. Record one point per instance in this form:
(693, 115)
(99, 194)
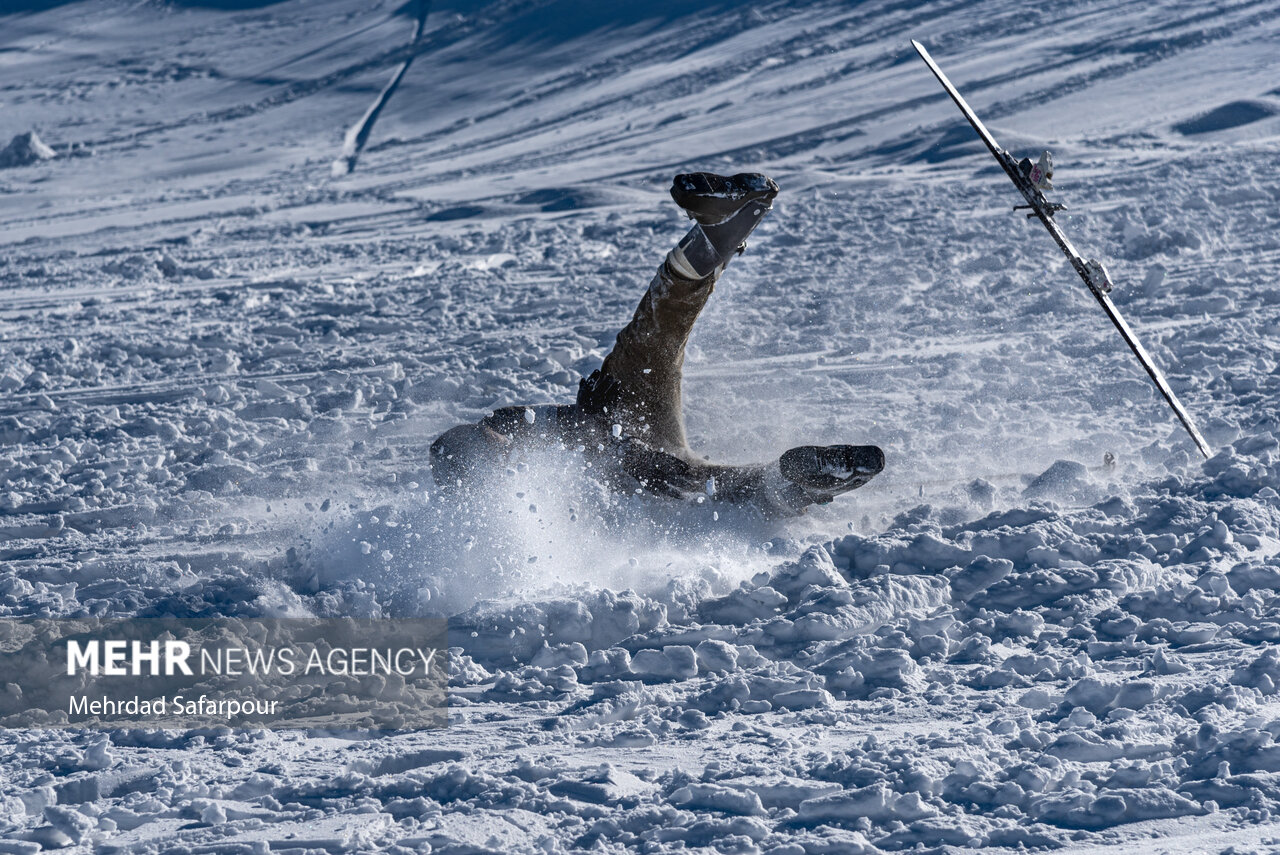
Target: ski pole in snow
(1031, 179)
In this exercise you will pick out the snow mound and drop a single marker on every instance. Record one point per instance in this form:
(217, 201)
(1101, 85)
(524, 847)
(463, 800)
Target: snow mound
(24, 150)
(1230, 115)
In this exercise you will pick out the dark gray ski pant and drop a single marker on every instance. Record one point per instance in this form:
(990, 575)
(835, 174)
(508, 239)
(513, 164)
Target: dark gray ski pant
(639, 388)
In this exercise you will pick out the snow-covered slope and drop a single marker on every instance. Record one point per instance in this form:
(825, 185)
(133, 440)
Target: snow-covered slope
(221, 367)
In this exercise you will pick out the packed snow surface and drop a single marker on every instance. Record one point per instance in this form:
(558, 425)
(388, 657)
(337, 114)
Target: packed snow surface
(221, 367)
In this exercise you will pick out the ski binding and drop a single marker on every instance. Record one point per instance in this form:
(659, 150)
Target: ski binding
(1098, 276)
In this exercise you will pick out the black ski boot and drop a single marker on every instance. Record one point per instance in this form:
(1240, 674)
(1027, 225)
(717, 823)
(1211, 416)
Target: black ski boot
(726, 210)
(824, 472)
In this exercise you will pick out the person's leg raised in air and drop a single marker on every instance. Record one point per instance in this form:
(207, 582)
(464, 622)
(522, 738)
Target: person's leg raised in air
(639, 383)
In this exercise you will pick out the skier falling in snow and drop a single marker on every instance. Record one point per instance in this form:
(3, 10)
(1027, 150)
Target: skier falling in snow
(628, 419)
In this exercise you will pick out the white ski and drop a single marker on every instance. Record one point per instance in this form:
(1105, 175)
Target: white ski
(1030, 179)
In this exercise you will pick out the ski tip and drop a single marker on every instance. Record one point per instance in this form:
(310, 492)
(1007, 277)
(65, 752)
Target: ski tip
(924, 54)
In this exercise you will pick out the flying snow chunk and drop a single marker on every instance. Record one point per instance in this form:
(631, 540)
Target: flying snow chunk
(24, 150)
(529, 415)
(1154, 279)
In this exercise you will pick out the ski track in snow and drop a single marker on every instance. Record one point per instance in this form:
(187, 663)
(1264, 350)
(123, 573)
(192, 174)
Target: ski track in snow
(221, 368)
(356, 137)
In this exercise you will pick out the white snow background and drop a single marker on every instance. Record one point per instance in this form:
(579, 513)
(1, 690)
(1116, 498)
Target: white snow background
(222, 361)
